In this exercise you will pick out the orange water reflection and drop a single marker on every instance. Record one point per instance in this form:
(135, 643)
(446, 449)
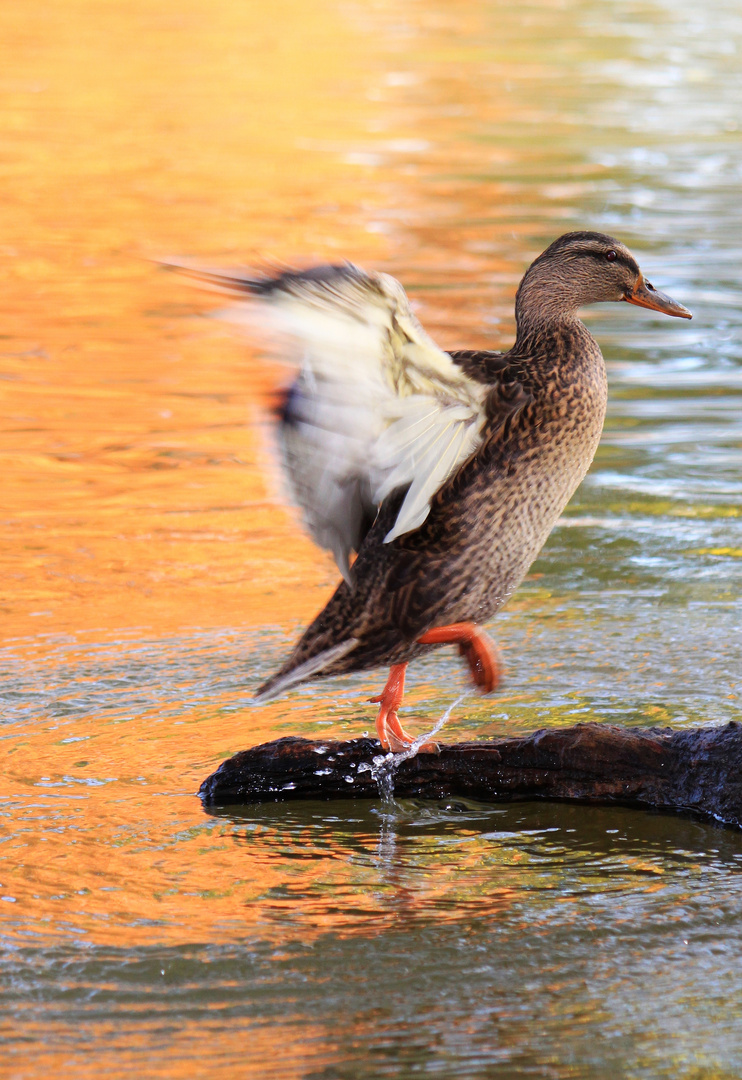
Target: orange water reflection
(127, 461)
(136, 463)
(150, 574)
(131, 461)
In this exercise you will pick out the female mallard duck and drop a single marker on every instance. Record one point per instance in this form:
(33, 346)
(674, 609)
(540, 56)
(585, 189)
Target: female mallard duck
(443, 472)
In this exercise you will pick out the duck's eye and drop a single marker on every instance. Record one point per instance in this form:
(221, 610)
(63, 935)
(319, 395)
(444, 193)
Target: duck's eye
(611, 256)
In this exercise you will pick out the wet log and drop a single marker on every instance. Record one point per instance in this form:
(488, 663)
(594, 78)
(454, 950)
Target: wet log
(697, 770)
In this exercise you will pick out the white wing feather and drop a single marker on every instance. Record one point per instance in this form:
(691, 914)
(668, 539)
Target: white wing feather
(377, 405)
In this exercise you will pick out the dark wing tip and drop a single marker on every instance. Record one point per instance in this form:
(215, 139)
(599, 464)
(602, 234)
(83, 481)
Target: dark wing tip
(240, 283)
(284, 404)
(225, 281)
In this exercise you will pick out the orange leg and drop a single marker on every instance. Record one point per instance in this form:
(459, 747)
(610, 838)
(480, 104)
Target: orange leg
(392, 735)
(474, 646)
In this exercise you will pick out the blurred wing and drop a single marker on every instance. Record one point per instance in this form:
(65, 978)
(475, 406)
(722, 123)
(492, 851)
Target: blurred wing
(377, 405)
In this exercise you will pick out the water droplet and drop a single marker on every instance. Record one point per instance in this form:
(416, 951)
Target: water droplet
(385, 766)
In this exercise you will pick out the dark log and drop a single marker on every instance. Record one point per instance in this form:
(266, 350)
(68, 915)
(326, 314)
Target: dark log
(698, 770)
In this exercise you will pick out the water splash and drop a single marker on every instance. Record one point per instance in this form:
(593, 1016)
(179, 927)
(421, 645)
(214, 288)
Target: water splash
(384, 766)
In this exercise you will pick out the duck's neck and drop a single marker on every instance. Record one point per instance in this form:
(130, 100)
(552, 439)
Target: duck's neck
(547, 301)
(542, 304)
(549, 334)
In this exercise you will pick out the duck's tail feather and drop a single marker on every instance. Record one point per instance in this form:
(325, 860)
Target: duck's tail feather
(315, 665)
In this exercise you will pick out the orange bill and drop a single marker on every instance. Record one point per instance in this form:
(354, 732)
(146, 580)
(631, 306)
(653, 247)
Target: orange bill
(645, 295)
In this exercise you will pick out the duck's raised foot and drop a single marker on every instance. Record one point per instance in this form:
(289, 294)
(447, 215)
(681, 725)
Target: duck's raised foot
(475, 646)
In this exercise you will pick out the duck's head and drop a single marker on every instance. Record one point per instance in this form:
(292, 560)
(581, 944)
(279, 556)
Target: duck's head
(585, 268)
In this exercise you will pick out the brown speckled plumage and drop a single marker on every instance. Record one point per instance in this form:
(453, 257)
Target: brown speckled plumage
(545, 416)
(545, 410)
(533, 416)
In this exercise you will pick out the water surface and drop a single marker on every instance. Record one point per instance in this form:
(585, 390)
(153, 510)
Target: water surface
(152, 576)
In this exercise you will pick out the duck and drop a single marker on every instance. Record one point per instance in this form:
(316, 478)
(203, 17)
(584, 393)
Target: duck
(433, 477)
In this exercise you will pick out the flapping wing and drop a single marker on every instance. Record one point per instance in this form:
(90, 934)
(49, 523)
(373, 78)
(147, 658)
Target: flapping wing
(376, 406)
